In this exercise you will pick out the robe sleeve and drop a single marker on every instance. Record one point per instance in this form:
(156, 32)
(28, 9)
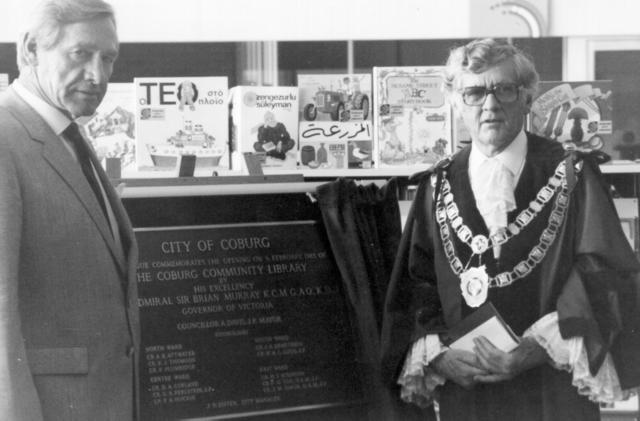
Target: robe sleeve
(412, 307)
(599, 300)
(418, 381)
(570, 355)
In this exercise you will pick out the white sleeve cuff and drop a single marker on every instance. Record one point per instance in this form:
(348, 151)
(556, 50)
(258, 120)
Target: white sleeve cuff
(417, 380)
(571, 355)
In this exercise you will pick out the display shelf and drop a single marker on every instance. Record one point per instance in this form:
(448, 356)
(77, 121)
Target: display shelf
(622, 411)
(158, 184)
(219, 186)
(306, 172)
(612, 167)
(218, 190)
(620, 167)
(363, 173)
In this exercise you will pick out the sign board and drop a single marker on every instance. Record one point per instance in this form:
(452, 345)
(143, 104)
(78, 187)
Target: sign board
(242, 320)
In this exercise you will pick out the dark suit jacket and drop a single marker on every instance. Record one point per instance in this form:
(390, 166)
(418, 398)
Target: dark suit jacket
(68, 311)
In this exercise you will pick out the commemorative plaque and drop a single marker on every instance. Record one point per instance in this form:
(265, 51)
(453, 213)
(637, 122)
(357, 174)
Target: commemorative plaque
(242, 320)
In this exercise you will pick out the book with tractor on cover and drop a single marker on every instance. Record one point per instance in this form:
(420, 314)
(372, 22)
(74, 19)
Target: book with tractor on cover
(336, 129)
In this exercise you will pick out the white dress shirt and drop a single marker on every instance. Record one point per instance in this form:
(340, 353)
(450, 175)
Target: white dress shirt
(493, 182)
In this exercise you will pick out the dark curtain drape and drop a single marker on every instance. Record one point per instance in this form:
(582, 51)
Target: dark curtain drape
(364, 228)
(363, 225)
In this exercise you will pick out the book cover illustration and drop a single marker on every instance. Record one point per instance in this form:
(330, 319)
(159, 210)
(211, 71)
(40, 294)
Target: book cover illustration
(182, 116)
(265, 125)
(412, 120)
(336, 128)
(111, 130)
(575, 113)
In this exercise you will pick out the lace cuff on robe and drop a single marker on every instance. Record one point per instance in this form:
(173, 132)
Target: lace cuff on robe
(417, 380)
(571, 355)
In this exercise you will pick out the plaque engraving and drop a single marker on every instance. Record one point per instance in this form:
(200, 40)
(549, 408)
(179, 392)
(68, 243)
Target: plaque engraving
(242, 319)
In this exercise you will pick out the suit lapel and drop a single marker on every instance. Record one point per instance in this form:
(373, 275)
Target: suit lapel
(58, 157)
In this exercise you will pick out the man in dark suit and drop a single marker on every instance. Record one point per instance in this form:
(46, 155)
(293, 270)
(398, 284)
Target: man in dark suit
(68, 312)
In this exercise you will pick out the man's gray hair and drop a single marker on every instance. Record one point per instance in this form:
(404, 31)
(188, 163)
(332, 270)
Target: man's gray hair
(481, 55)
(49, 16)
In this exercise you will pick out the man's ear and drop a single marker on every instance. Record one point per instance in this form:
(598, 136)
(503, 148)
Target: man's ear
(30, 50)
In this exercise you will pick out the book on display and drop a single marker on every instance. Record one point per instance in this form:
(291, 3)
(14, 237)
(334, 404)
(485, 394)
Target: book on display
(265, 127)
(182, 116)
(578, 113)
(111, 130)
(413, 122)
(336, 129)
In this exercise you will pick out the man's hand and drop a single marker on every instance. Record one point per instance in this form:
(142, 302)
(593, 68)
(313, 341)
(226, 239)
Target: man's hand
(501, 365)
(461, 367)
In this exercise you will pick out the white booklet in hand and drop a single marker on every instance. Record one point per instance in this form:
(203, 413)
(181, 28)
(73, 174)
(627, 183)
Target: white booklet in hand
(485, 321)
(268, 146)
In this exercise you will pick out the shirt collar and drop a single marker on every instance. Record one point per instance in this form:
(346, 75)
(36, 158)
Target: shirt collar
(51, 115)
(512, 156)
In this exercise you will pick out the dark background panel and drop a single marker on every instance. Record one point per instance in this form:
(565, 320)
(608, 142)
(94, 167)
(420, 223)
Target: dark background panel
(156, 60)
(310, 57)
(8, 59)
(203, 210)
(367, 54)
(220, 58)
(545, 52)
(176, 59)
(621, 67)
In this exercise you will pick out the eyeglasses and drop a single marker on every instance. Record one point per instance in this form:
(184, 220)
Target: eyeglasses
(504, 93)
